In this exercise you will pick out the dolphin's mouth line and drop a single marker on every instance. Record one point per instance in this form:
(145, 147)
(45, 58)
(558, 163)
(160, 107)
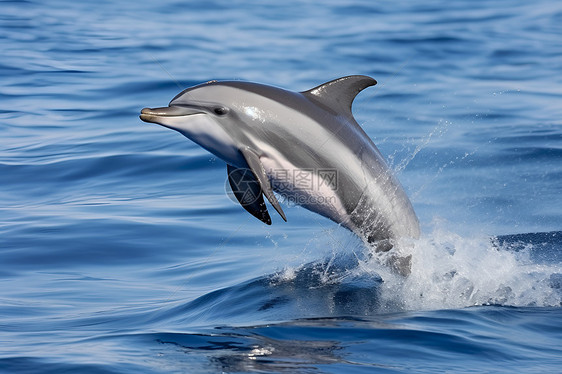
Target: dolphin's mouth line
(169, 111)
(155, 115)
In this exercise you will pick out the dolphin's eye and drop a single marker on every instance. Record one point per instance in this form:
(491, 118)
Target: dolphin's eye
(221, 111)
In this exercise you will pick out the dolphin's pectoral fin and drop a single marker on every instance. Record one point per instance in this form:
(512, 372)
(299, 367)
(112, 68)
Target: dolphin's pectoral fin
(340, 93)
(256, 166)
(248, 192)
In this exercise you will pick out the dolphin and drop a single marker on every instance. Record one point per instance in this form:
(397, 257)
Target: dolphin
(306, 146)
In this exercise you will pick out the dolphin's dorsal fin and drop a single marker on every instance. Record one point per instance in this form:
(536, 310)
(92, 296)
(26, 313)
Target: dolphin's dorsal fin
(248, 192)
(338, 94)
(253, 161)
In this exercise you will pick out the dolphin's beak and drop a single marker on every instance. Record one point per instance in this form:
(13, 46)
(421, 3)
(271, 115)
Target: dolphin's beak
(153, 114)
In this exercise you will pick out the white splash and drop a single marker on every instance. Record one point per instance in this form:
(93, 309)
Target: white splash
(450, 271)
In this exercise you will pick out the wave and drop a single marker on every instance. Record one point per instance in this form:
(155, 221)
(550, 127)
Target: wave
(447, 272)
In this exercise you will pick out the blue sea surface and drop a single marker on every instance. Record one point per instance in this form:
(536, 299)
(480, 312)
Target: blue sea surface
(121, 252)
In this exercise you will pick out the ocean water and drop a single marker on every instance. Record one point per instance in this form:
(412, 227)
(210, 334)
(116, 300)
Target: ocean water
(120, 250)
